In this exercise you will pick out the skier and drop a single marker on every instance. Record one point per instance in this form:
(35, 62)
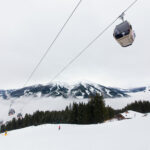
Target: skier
(59, 127)
(5, 133)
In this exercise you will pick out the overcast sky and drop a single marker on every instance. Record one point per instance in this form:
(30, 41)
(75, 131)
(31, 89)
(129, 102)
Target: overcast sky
(27, 27)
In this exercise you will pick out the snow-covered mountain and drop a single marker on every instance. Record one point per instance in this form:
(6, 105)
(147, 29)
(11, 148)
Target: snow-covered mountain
(80, 90)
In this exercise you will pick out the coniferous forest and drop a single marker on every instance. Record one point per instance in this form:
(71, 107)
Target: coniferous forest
(95, 111)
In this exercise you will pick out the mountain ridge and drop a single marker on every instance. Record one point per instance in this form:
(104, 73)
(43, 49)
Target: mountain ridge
(80, 90)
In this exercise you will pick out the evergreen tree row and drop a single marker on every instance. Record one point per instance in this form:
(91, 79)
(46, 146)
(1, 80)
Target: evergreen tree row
(139, 106)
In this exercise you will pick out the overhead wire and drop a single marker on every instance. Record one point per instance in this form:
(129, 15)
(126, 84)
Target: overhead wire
(50, 47)
(53, 42)
(130, 6)
(91, 43)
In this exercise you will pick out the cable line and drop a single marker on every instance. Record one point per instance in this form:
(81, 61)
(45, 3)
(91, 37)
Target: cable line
(53, 42)
(130, 6)
(49, 48)
(91, 43)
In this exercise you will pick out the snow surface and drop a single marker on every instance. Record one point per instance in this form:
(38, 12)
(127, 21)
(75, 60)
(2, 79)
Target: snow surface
(130, 134)
(132, 114)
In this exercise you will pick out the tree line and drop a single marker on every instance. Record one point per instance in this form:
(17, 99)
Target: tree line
(139, 106)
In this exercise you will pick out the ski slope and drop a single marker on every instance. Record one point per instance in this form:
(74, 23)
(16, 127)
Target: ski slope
(130, 134)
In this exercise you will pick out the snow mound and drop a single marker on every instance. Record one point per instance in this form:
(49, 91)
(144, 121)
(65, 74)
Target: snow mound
(132, 114)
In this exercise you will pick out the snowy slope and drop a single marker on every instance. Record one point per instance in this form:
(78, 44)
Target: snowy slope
(132, 114)
(130, 134)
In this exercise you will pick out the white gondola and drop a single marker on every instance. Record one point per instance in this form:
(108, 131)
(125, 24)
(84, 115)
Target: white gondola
(19, 116)
(124, 34)
(11, 112)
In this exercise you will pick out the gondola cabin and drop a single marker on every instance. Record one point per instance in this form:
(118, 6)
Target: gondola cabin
(19, 116)
(124, 34)
(11, 112)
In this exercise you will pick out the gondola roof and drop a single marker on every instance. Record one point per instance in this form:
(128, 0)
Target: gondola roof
(124, 26)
